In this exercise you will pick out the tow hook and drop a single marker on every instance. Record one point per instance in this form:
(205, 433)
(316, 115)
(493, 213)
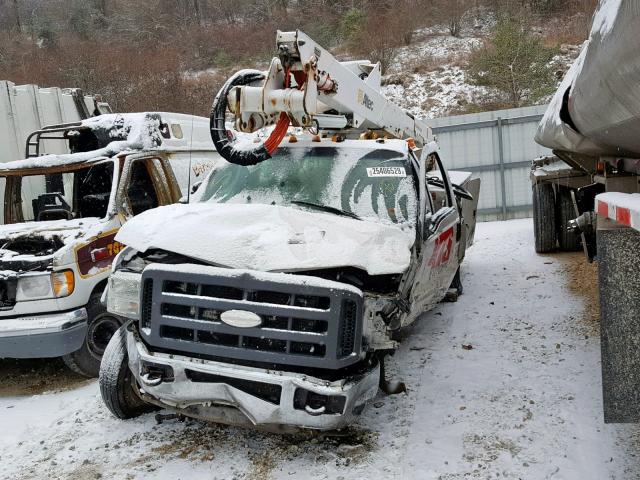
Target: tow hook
(161, 417)
(150, 381)
(315, 411)
(390, 387)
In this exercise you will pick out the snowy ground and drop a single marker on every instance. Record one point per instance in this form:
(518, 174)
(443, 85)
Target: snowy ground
(521, 400)
(427, 78)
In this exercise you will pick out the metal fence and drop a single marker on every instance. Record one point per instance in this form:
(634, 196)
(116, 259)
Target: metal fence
(498, 147)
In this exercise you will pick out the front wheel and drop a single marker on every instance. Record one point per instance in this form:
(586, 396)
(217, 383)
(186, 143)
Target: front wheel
(101, 327)
(117, 385)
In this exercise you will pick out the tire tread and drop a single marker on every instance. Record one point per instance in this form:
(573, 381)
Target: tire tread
(544, 218)
(568, 241)
(115, 388)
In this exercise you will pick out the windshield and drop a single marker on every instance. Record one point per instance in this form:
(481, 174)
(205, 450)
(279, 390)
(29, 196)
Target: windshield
(368, 183)
(76, 193)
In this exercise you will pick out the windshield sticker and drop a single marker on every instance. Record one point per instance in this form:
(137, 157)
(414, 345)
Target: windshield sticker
(386, 172)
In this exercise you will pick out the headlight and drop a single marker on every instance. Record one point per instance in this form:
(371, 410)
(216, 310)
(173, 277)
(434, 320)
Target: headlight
(34, 287)
(45, 285)
(123, 297)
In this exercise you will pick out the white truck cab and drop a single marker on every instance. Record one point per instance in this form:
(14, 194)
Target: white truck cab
(273, 297)
(61, 214)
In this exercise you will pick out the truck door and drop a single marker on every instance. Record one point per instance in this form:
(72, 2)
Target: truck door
(438, 259)
(143, 186)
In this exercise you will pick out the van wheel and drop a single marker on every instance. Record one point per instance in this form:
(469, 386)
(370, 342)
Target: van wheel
(117, 384)
(569, 241)
(544, 217)
(101, 327)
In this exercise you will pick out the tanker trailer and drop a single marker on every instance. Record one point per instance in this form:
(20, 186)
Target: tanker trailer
(589, 192)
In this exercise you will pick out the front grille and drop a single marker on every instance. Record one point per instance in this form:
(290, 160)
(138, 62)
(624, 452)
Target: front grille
(8, 287)
(145, 314)
(347, 336)
(303, 320)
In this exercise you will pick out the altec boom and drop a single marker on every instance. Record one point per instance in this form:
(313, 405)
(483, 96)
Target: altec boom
(308, 87)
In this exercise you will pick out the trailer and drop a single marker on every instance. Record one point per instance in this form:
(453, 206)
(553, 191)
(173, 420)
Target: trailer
(589, 192)
(27, 108)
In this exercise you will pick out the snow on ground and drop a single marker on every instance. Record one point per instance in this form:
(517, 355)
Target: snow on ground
(505, 383)
(427, 78)
(435, 93)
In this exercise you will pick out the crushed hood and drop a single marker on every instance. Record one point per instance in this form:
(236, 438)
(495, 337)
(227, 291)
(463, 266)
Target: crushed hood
(37, 241)
(270, 238)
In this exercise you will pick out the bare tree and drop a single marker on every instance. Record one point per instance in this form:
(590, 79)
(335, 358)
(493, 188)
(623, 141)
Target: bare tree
(451, 13)
(16, 12)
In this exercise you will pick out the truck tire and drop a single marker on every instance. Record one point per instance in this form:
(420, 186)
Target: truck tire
(101, 326)
(117, 385)
(544, 218)
(569, 241)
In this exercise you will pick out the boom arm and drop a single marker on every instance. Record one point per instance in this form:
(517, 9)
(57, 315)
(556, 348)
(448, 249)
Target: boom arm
(327, 95)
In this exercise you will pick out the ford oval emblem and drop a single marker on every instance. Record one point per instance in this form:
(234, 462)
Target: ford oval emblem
(241, 319)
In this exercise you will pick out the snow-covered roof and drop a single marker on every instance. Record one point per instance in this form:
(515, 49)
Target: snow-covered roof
(129, 132)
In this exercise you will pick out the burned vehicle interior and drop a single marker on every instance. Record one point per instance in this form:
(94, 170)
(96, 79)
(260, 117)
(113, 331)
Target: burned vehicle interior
(73, 191)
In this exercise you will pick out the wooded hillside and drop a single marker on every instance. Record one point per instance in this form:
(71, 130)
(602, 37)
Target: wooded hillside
(174, 54)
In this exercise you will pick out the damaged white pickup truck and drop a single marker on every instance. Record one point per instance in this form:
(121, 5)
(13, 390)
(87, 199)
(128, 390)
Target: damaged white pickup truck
(61, 214)
(272, 298)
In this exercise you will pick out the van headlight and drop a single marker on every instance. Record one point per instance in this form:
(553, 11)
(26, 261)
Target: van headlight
(41, 286)
(123, 297)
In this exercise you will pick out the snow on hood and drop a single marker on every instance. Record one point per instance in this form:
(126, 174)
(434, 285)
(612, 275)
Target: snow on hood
(270, 238)
(67, 231)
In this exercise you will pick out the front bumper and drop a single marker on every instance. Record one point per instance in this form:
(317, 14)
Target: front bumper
(43, 336)
(220, 402)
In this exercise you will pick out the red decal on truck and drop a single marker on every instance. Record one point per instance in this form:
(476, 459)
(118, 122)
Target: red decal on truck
(442, 248)
(98, 254)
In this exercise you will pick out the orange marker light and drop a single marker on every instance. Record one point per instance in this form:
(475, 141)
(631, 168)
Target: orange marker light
(63, 283)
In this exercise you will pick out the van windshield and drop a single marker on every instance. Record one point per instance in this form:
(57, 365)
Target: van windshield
(375, 184)
(63, 195)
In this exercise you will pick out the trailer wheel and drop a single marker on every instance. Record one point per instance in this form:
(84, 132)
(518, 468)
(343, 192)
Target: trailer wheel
(569, 241)
(102, 325)
(544, 217)
(117, 385)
